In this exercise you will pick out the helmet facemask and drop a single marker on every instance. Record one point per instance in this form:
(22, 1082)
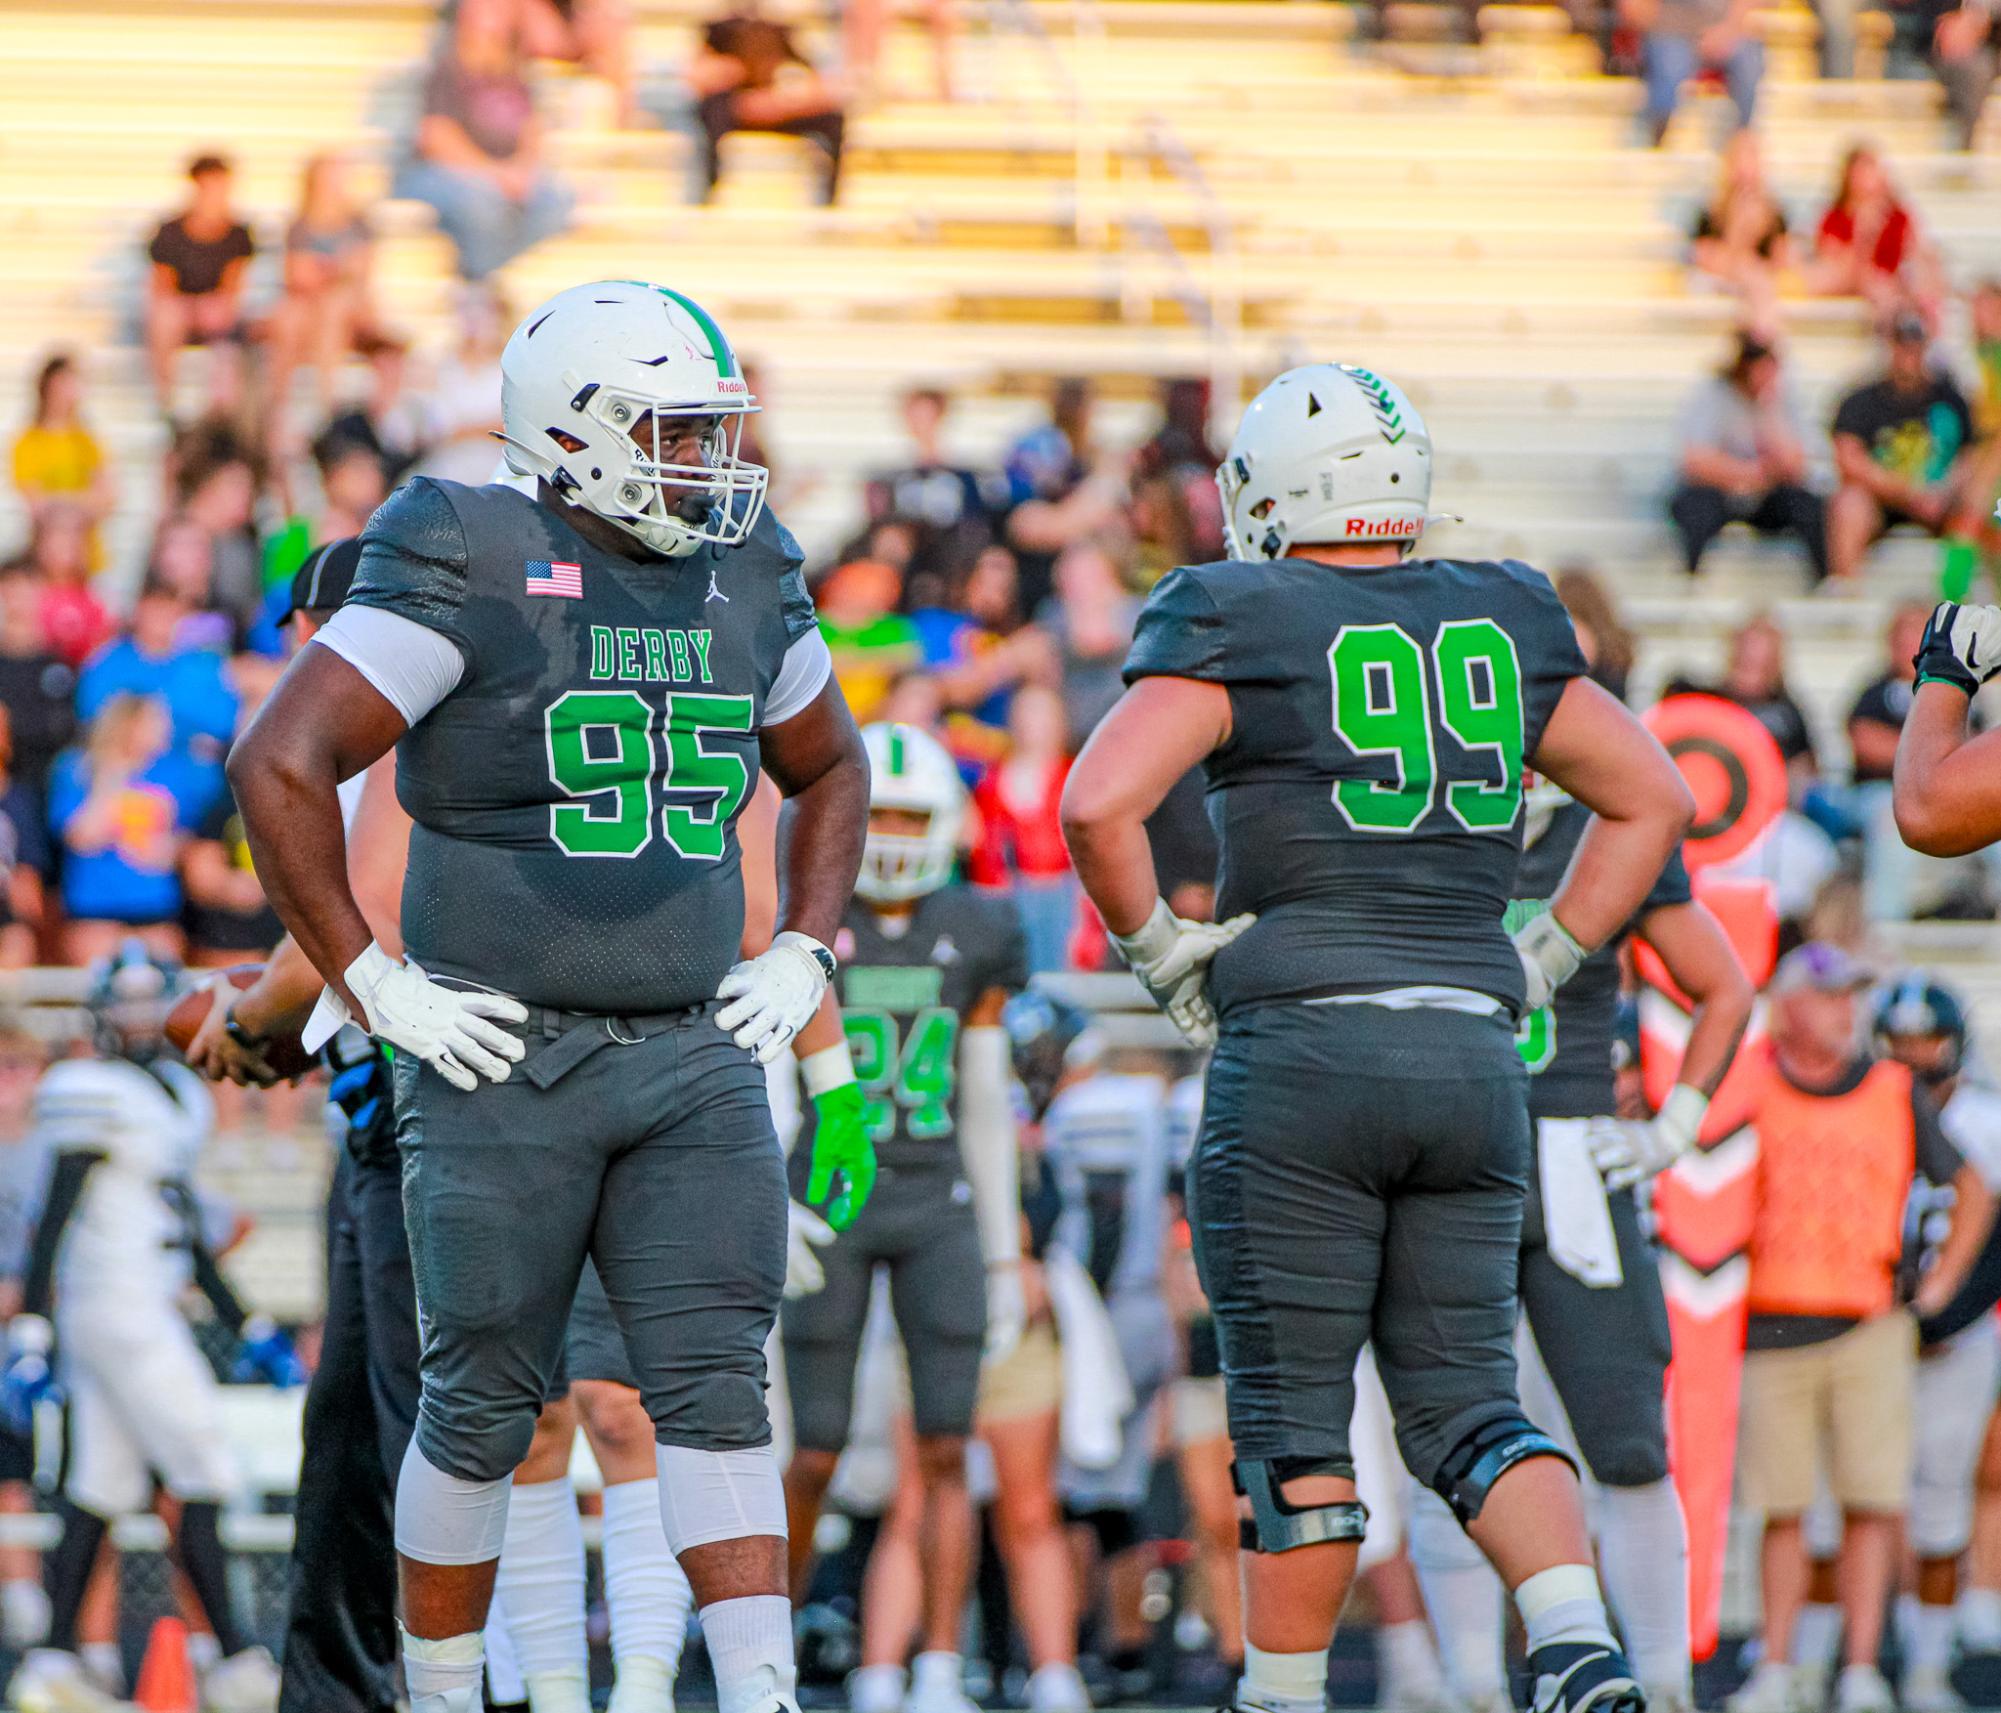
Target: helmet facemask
(910, 856)
(673, 507)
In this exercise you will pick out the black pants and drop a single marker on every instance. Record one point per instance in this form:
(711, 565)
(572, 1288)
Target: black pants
(719, 119)
(340, 1631)
(1700, 513)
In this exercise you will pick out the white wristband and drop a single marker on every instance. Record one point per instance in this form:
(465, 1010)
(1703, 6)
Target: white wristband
(1682, 1113)
(829, 1068)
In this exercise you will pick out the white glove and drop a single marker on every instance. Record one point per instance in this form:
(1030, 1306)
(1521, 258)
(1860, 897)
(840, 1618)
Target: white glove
(1170, 955)
(456, 1031)
(1007, 1311)
(1629, 1151)
(1550, 957)
(805, 1231)
(774, 995)
(1961, 646)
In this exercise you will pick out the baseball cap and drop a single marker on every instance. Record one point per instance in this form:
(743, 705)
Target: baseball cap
(1907, 327)
(322, 583)
(1820, 966)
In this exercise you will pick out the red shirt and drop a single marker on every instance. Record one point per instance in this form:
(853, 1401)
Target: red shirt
(1024, 840)
(1893, 238)
(75, 622)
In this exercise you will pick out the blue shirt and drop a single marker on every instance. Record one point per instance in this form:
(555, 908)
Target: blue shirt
(192, 683)
(135, 878)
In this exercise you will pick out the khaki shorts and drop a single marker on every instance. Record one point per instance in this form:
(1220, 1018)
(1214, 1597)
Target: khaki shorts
(1842, 1406)
(1201, 1411)
(1028, 1381)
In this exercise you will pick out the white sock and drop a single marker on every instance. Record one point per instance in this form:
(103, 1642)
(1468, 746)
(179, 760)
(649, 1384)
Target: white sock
(876, 1689)
(204, 1651)
(643, 1684)
(1464, 1596)
(1407, 1667)
(1563, 1604)
(105, 1663)
(937, 1672)
(1643, 1556)
(540, 1590)
(1283, 1683)
(1928, 1639)
(503, 1676)
(644, 1588)
(442, 1673)
(750, 1651)
(1817, 1637)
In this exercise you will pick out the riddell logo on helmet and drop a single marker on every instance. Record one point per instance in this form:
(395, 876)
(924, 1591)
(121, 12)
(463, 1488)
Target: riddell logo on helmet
(728, 385)
(1395, 527)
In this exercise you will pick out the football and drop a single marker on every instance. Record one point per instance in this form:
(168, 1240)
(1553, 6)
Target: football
(283, 1053)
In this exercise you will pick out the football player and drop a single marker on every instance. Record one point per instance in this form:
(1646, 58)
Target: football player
(926, 967)
(1946, 799)
(1589, 1281)
(118, 1241)
(1362, 716)
(580, 687)
(1922, 1024)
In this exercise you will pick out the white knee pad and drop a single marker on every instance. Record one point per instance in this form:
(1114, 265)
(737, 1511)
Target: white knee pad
(718, 1495)
(443, 1520)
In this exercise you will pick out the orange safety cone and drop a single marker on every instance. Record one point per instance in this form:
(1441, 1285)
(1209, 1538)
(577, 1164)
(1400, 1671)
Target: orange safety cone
(166, 1674)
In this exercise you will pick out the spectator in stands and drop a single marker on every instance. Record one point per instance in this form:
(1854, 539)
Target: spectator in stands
(478, 159)
(749, 75)
(56, 457)
(74, 620)
(462, 402)
(352, 484)
(1089, 621)
(1754, 677)
(1608, 645)
(1830, 1358)
(37, 686)
(974, 646)
(327, 310)
(195, 292)
(1050, 460)
(25, 859)
(1984, 310)
(1875, 722)
(1743, 460)
(1904, 450)
(1684, 38)
(226, 915)
(593, 34)
(1181, 450)
(1740, 237)
(121, 806)
(952, 508)
(1869, 245)
(183, 560)
(1955, 38)
(218, 495)
(1021, 836)
(156, 662)
(872, 643)
(390, 419)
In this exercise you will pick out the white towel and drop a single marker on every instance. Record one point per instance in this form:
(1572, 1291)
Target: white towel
(1576, 1218)
(1097, 1396)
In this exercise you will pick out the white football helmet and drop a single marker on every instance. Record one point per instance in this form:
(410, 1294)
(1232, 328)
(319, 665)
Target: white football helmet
(910, 769)
(1542, 797)
(585, 382)
(1329, 453)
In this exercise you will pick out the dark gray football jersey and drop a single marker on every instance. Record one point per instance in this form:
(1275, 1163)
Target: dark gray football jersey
(1567, 1045)
(1368, 801)
(903, 1000)
(576, 795)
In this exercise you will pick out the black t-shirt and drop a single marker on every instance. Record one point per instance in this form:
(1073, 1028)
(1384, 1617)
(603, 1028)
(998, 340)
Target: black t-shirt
(1915, 435)
(198, 264)
(1938, 1162)
(1778, 713)
(212, 927)
(1707, 226)
(1888, 703)
(39, 693)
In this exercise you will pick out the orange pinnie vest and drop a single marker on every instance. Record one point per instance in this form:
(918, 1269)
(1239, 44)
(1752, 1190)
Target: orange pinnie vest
(1834, 1172)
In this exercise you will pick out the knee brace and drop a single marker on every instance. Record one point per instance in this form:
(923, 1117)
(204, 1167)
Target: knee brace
(1467, 1473)
(1276, 1525)
(710, 1496)
(443, 1519)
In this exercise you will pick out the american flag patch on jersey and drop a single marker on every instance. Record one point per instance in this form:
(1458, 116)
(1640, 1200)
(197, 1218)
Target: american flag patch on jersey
(556, 577)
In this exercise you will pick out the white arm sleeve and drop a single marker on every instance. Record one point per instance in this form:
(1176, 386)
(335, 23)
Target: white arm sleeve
(807, 667)
(987, 1142)
(414, 668)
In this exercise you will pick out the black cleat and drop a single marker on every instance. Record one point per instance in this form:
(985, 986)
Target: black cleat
(1584, 1677)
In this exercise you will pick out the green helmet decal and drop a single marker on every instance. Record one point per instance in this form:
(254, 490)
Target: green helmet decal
(898, 764)
(1388, 417)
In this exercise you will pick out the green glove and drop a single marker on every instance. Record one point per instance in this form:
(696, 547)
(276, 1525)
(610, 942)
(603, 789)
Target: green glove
(841, 1148)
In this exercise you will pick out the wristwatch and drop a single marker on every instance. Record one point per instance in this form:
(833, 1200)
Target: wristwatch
(243, 1037)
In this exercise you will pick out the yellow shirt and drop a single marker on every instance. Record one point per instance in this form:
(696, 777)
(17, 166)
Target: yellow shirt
(56, 460)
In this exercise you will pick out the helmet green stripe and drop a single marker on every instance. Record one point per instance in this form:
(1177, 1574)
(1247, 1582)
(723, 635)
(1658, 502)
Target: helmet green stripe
(719, 347)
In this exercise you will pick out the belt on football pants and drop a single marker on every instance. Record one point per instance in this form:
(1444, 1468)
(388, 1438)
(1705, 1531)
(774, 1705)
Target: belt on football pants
(573, 1036)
